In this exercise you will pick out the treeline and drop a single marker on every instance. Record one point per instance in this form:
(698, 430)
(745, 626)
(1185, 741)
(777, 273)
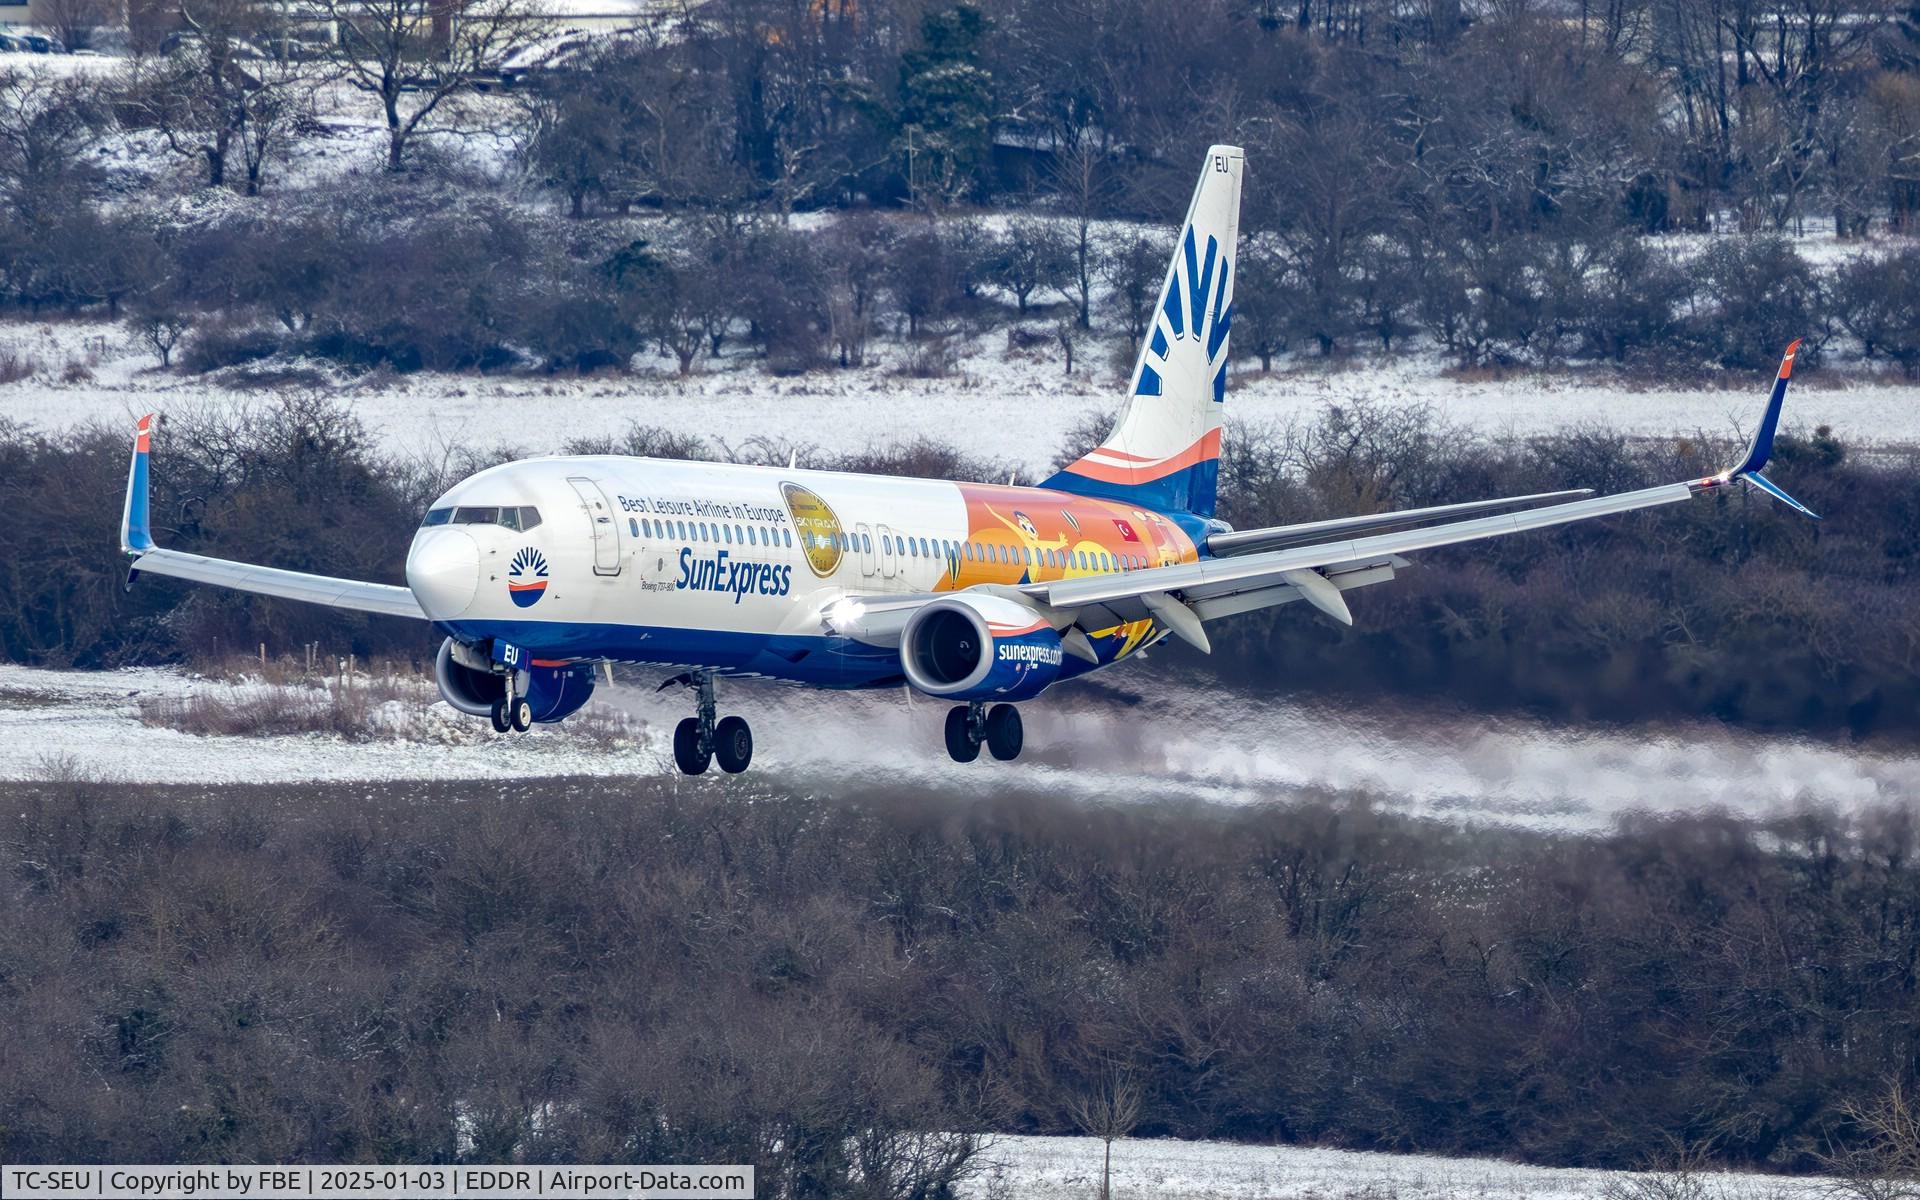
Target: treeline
(1731, 608)
(1483, 178)
(404, 277)
(585, 971)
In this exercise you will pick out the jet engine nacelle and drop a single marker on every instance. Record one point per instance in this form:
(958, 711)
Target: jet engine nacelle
(552, 692)
(978, 647)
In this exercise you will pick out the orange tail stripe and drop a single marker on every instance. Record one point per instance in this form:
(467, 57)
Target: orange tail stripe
(1206, 448)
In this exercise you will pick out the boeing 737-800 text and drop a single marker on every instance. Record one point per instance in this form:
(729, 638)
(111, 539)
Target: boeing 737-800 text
(986, 595)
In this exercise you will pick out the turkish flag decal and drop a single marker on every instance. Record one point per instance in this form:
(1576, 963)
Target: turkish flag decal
(1126, 530)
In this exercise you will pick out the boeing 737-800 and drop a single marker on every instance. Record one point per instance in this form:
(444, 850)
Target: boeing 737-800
(537, 572)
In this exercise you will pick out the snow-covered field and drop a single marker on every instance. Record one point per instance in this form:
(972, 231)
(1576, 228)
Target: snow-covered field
(1060, 1168)
(1172, 741)
(1011, 407)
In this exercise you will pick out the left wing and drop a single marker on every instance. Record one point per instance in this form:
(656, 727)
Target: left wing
(136, 540)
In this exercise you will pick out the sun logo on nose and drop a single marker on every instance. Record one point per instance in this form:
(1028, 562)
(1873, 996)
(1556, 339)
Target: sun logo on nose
(527, 577)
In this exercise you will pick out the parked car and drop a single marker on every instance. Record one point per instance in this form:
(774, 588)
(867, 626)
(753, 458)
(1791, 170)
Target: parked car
(41, 43)
(565, 52)
(173, 43)
(12, 44)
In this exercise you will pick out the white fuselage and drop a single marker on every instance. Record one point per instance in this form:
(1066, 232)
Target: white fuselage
(733, 567)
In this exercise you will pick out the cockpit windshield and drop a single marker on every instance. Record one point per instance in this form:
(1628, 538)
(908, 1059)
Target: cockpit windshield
(522, 517)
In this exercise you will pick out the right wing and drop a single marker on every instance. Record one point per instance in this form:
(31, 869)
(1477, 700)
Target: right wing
(1185, 595)
(136, 540)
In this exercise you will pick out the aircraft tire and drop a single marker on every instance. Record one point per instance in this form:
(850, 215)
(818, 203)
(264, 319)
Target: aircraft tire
(960, 744)
(687, 754)
(732, 744)
(1005, 733)
(499, 717)
(520, 714)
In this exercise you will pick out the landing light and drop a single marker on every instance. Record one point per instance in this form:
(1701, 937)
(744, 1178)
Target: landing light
(845, 613)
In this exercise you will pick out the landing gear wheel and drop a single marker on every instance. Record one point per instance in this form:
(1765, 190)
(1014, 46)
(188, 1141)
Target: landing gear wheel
(498, 715)
(962, 746)
(520, 714)
(732, 745)
(1005, 735)
(688, 754)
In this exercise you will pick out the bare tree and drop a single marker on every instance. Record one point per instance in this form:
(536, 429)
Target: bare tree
(76, 21)
(1884, 1164)
(1108, 1110)
(1033, 256)
(1079, 177)
(47, 126)
(219, 92)
(417, 56)
(161, 328)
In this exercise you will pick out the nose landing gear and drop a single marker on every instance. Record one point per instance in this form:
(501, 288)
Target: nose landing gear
(700, 741)
(511, 712)
(969, 726)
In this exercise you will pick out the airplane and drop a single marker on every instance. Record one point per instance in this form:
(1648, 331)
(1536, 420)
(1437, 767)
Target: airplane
(538, 572)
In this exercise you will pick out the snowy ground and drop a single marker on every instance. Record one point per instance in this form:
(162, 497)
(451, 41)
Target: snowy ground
(1049, 1168)
(1171, 741)
(1013, 408)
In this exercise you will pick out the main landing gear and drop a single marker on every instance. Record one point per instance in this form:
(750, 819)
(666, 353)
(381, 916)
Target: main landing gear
(971, 725)
(700, 740)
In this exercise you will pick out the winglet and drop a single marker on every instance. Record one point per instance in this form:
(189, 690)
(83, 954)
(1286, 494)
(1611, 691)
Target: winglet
(136, 534)
(1756, 479)
(1761, 448)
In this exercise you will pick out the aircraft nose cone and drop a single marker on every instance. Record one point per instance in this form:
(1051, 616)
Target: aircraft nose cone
(443, 569)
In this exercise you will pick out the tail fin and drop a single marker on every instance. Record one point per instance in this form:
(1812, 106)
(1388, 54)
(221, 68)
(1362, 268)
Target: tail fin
(1165, 452)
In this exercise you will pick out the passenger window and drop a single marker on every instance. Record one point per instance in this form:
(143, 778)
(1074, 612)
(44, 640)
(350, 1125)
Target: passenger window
(634, 526)
(727, 534)
(866, 543)
(787, 536)
(437, 516)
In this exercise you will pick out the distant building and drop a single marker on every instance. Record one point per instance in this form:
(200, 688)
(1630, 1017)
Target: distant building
(588, 15)
(23, 13)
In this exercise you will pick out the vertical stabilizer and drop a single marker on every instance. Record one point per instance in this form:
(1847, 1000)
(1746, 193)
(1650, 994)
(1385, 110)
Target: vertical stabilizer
(1165, 452)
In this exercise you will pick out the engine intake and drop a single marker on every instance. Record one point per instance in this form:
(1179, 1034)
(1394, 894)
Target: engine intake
(976, 647)
(553, 692)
